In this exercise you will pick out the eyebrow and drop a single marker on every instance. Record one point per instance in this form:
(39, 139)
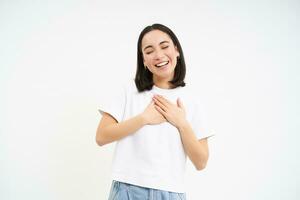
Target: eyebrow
(159, 44)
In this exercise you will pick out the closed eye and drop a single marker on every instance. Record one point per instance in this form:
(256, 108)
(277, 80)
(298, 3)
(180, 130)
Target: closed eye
(149, 52)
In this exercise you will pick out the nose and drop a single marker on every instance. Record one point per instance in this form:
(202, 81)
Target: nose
(158, 55)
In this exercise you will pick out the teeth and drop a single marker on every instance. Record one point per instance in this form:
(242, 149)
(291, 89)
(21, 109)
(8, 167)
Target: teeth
(161, 64)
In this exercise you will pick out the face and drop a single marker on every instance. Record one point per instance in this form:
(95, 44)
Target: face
(160, 54)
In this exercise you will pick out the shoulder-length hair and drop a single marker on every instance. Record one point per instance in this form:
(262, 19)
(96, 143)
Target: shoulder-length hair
(143, 77)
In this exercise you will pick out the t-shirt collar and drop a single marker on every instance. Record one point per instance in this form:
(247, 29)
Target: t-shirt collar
(164, 91)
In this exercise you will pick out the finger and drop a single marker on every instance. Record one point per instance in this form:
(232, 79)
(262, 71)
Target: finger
(151, 103)
(163, 100)
(179, 103)
(160, 104)
(160, 110)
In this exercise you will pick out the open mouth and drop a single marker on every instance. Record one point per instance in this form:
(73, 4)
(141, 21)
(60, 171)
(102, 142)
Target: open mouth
(162, 64)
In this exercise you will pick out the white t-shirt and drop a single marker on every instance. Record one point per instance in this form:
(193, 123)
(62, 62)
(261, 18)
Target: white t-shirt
(153, 156)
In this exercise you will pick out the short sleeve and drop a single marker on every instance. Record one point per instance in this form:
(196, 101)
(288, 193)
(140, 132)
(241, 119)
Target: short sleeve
(199, 122)
(114, 103)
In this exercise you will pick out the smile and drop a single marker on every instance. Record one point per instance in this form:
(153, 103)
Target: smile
(162, 64)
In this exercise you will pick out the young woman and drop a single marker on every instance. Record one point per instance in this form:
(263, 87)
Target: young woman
(157, 123)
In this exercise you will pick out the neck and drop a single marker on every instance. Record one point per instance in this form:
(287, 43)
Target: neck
(163, 86)
(162, 82)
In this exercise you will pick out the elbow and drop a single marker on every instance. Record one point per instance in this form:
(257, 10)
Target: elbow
(201, 164)
(100, 140)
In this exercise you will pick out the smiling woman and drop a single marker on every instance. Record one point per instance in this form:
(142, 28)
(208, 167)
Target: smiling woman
(160, 59)
(156, 122)
(160, 56)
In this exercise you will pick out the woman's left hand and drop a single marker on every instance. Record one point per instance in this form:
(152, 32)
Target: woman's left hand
(174, 113)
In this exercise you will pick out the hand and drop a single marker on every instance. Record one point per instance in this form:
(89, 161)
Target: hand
(152, 116)
(174, 113)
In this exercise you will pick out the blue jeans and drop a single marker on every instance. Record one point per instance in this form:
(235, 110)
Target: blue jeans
(126, 191)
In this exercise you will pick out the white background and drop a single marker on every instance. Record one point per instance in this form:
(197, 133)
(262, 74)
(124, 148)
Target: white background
(58, 59)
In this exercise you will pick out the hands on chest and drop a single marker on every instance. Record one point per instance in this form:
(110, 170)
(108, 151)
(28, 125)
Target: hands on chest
(161, 110)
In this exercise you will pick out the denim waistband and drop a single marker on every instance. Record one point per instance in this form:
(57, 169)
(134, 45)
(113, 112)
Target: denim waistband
(126, 191)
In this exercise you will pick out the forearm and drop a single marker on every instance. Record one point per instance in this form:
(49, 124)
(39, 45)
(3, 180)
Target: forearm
(120, 130)
(196, 151)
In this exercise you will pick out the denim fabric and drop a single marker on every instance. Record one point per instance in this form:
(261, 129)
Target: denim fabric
(125, 191)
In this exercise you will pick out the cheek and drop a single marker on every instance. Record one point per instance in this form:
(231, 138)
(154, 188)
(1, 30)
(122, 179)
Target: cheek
(147, 59)
(172, 53)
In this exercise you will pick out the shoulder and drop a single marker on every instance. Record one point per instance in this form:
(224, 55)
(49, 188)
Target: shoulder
(189, 94)
(192, 97)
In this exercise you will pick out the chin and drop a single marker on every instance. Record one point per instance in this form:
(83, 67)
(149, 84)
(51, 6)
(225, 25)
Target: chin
(165, 75)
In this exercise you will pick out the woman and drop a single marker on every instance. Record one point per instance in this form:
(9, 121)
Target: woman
(156, 122)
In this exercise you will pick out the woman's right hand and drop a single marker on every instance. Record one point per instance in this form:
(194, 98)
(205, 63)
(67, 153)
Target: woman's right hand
(151, 115)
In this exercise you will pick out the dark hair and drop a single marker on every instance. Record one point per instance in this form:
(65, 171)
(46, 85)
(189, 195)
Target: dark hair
(143, 77)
